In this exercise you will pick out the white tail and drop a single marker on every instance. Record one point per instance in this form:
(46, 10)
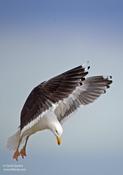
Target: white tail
(13, 141)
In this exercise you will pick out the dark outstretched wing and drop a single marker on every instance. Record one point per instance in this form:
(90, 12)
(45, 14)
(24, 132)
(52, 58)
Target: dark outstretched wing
(84, 94)
(50, 92)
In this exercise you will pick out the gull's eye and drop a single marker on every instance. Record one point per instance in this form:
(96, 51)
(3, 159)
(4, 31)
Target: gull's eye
(56, 131)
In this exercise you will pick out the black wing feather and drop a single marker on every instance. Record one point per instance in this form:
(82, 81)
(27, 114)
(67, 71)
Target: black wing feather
(44, 95)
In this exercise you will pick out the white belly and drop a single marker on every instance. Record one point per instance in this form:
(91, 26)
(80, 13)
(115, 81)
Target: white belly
(42, 122)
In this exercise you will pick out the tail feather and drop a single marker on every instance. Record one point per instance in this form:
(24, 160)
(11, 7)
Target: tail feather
(12, 142)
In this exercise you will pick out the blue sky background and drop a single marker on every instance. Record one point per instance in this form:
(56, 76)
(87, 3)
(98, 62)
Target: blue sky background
(39, 39)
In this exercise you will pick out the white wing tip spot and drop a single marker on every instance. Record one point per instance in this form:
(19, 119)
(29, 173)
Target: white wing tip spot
(86, 65)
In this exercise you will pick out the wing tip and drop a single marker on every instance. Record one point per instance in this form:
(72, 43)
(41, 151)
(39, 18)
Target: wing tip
(86, 66)
(109, 81)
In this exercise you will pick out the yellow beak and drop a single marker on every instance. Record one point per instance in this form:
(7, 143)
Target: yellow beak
(59, 140)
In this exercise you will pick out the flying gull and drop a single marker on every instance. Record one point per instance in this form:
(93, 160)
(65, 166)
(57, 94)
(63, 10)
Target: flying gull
(52, 101)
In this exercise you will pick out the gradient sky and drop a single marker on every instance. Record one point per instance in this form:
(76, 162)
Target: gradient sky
(39, 39)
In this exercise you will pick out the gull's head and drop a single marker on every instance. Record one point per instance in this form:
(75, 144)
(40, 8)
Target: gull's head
(57, 130)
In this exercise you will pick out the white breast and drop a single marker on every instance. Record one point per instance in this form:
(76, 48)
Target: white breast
(43, 122)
